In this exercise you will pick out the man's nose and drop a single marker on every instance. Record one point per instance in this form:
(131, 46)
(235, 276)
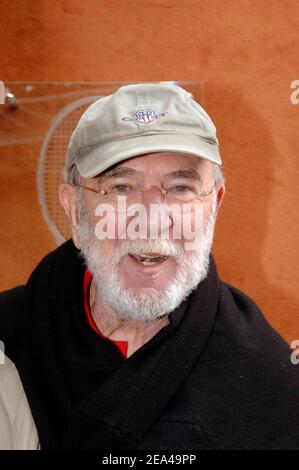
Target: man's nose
(152, 194)
(159, 220)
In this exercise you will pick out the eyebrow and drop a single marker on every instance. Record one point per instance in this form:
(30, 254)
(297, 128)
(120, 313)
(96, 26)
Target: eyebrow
(126, 171)
(190, 174)
(119, 171)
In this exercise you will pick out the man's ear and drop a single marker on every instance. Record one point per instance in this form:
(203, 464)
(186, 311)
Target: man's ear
(67, 198)
(220, 196)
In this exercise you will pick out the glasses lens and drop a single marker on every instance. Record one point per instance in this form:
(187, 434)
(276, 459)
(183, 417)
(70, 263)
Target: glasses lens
(182, 191)
(121, 192)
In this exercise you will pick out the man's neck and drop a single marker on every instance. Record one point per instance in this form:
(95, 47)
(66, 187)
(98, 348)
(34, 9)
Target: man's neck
(136, 333)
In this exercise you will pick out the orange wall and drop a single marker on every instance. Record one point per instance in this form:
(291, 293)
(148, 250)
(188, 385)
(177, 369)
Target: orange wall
(246, 52)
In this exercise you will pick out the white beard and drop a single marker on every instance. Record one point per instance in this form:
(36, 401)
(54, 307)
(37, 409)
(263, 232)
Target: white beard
(192, 268)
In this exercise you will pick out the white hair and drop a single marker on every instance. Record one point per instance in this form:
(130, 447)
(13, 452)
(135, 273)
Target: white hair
(218, 175)
(71, 175)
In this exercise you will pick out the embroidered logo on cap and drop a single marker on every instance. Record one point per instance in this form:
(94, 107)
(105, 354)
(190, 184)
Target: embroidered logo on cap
(144, 116)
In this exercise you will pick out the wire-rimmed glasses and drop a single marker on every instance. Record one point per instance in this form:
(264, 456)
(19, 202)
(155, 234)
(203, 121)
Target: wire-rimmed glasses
(129, 191)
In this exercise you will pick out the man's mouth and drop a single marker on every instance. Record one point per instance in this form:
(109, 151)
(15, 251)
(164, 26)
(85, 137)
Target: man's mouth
(149, 259)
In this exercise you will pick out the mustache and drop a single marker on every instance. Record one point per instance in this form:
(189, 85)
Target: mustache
(140, 247)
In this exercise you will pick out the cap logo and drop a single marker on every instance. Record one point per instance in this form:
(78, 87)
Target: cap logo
(144, 116)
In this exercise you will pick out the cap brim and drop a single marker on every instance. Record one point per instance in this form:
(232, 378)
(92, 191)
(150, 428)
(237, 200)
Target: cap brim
(101, 157)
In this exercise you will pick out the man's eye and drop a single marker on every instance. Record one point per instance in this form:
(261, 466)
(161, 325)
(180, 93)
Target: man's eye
(180, 188)
(120, 188)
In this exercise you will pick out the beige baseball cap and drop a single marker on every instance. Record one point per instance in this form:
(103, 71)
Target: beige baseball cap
(139, 119)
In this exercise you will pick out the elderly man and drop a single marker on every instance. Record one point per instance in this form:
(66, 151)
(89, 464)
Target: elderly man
(125, 337)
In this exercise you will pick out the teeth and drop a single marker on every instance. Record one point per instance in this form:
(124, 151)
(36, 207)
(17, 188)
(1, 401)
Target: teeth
(149, 260)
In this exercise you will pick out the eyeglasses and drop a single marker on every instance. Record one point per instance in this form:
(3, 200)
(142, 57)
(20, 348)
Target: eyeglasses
(132, 191)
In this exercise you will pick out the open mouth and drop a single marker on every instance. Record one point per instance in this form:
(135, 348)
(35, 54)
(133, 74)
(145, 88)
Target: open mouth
(149, 260)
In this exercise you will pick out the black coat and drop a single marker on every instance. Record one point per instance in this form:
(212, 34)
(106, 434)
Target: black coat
(217, 377)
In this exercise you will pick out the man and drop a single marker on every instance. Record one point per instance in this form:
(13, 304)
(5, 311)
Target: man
(125, 337)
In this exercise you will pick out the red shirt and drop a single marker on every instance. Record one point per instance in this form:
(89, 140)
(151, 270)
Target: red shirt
(121, 345)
